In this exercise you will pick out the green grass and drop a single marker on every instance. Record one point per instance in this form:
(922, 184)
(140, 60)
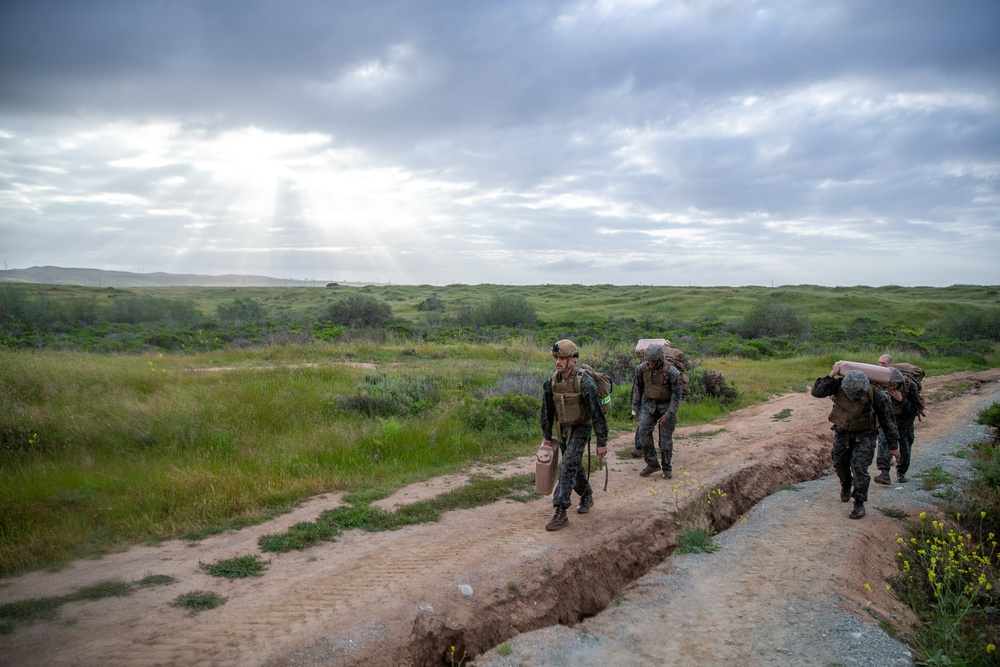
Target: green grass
(239, 567)
(198, 601)
(695, 541)
(933, 477)
(46, 608)
(480, 490)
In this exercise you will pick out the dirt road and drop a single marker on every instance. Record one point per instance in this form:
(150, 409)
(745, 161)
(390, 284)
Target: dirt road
(480, 577)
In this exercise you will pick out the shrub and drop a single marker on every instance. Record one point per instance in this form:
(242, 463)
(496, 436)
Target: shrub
(504, 311)
(989, 416)
(242, 311)
(716, 387)
(390, 395)
(973, 324)
(136, 309)
(771, 318)
(357, 311)
(431, 303)
(505, 414)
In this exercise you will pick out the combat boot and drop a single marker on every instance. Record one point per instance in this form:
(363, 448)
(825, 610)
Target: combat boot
(859, 510)
(558, 520)
(637, 453)
(649, 470)
(845, 493)
(902, 478)
(883, 478)
(585, 504)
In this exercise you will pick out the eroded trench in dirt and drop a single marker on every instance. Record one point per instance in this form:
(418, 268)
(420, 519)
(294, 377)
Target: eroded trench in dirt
(587, 583)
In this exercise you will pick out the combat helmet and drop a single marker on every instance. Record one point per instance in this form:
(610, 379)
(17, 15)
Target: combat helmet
(855, 385)
(654, 353)
(565, 348)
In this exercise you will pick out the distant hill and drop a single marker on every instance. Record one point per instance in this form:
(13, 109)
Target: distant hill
(57, 275)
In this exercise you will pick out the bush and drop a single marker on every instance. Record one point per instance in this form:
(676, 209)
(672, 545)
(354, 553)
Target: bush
(390, 395)
(771, 318)
(989, 416)
(242, 311)
(357, 311)
(509, 414)
(431, 303)
(974, 324)
(137, 309)
(503, 311)
(715, 386)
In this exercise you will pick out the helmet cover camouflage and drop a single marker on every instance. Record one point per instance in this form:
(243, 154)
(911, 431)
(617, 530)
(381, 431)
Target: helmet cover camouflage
(895, 376)
(653, 353)
(565, 348)
(855, 385)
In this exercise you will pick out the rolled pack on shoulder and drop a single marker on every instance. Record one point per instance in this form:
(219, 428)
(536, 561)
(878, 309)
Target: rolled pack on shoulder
(874, 372)
(640, 347)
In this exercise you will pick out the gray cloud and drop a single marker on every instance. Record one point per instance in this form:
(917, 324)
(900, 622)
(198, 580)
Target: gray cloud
(596, 141)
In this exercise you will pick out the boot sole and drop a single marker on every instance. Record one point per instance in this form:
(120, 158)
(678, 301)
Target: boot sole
(559, 527)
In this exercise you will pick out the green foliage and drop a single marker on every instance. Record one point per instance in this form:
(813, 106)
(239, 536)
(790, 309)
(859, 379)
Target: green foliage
(948, 578)
(770, 317)
(383, 395)
(973, 324)
(242, 311)
(430, 304)
(480, 490)
(198, 601)
(696, 540)
(357, 311)
(239, 567)
(36, 609)
(137, 309)
(506, 415)
(989, 416)
(503, 310)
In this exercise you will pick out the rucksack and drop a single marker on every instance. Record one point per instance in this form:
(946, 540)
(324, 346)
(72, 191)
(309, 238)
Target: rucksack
(671, 355)
(913, 373)
(603, 382)
(674, 356)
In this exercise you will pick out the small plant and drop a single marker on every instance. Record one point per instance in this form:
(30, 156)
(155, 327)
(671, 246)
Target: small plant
(198, 601)
(935, 477)
(505, 649)
(696, 541)
(237, 568)
(893, 512)
(781, 416)
(512, 587)
(989, 416)
(460, 660)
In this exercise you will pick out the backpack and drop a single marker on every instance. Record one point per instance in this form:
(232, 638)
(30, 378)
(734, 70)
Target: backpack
(913, 373)
(604, 385)
(671, 355)
(674, 356)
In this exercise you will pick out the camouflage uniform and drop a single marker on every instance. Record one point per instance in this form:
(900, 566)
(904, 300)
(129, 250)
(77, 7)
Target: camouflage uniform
(573, 440)
(650, 410)
(904, 413)
(853, 451)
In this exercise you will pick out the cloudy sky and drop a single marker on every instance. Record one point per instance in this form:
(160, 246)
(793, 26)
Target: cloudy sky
(710, 142)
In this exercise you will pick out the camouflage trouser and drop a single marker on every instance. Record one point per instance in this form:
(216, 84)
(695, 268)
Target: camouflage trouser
(650, 412)
(852, 455)
(571, 474)
(904, 425)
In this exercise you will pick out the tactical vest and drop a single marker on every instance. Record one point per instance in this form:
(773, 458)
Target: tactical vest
(569, 403)
(853, 415)
(656, 384)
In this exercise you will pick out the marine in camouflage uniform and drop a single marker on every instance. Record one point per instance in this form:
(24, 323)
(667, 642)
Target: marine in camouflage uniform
(657, 391)
(571, 416)
(905, 399)
(859, 409)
